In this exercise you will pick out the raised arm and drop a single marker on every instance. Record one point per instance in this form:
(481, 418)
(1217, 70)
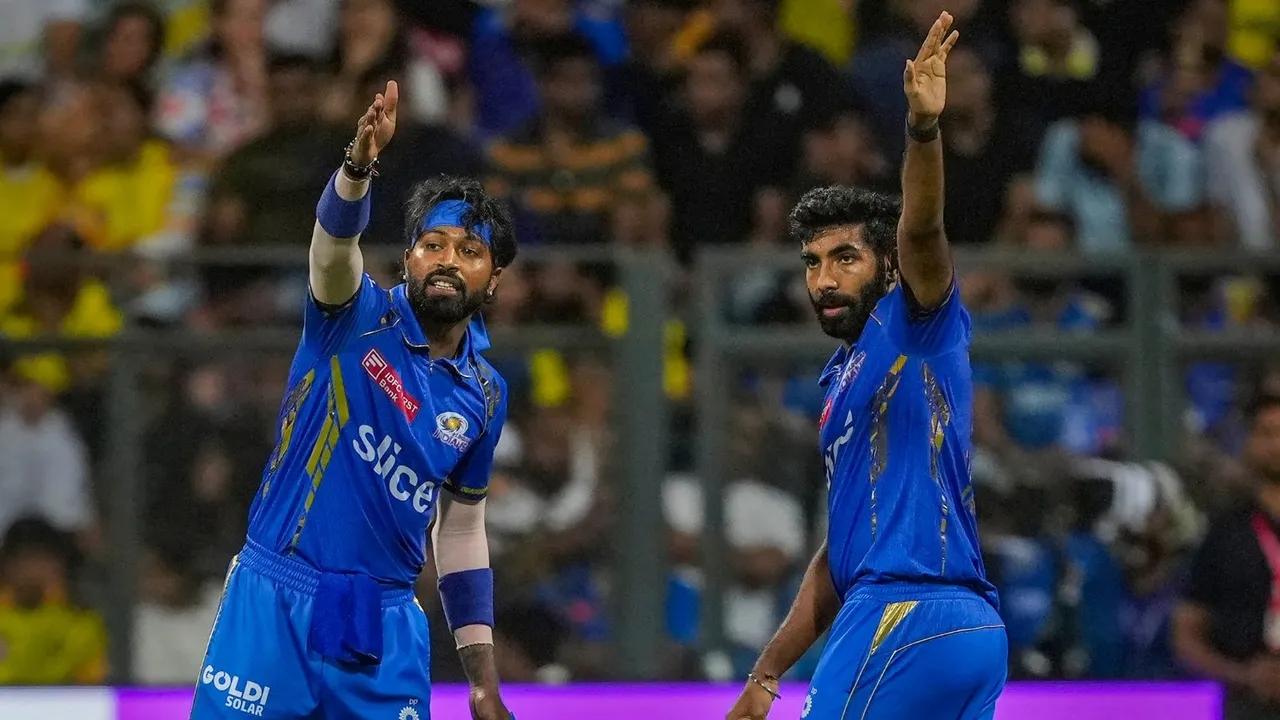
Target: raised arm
(924, 259)
(336, 265)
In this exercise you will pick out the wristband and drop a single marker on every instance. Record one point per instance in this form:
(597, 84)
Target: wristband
(776, 695)
(926, 134)
(467, 597)
(343, 218)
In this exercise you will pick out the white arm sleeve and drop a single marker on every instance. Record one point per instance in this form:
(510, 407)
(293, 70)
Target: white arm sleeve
(336, 265)
(459, 542)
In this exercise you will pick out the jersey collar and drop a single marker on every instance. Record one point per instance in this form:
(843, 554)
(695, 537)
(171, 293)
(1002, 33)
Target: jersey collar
(474, 341)
(833, 365)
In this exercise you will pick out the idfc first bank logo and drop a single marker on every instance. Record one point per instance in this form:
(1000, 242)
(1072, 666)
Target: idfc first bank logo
(248, 697)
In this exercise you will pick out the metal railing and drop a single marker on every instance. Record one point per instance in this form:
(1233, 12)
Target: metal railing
(1148, 349)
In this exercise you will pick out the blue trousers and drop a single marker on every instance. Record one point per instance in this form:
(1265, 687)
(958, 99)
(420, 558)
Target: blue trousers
(911, 653)
(263, 662)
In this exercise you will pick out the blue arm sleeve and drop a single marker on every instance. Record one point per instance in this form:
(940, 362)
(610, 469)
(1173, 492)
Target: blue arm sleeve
(470, 479)
(925, 332)
(326, 328)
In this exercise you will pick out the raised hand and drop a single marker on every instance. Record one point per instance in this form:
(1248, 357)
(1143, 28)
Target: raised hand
(925, 79)
(376, 126)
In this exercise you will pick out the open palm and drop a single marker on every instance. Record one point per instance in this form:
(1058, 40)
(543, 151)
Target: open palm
(925, 79)
(376, 126)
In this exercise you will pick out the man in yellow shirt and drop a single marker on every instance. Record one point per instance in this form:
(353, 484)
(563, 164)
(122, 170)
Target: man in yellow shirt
(127, 195)
(44, 639)
(30, 195)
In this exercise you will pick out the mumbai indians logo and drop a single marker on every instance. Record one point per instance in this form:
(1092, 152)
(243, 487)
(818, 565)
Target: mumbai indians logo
(451, 429)
(851, 371)
(408, 713)
(808, 703)
(248, 697)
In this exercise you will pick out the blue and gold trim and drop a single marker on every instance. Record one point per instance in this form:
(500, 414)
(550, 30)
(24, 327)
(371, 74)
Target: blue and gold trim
(879, 440)
(939, 419)
(326, 441)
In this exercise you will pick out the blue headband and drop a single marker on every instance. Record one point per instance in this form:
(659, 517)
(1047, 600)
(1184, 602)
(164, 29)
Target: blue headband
(449, 213)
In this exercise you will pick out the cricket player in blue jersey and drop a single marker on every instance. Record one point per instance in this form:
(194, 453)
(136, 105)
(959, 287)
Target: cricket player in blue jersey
(899, 582)
(387, 432)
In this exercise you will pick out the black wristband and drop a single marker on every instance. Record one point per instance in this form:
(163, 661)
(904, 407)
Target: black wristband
(358, 172)
(774, 693)
(926, 134)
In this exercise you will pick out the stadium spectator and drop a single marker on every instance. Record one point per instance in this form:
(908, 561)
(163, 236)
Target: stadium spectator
(302, 27)
(262, 196)
(39, 40)
(1122, 181)
(125, 197)
(60, 296)
(218, 100)
(644, 86)
(789, 83)
(204, 453)
(1242, 165)
(567, 508)
(1226, 626)
(171, 623)
(1057, 59)
(1201, 82)
(765, 528)
(31, 196)
(712, 164)
(985, 150)
(48, 639)
(569, 172)
(1036, 406)
(372, 38)
(506, 91)
(1253, 36)
(132, 44)
(44, 463)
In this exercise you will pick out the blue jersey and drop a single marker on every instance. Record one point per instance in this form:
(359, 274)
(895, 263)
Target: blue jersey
(371, 430)
(896, 433)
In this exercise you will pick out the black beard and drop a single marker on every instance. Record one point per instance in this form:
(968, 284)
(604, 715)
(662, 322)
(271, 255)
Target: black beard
(442, 310)
(848, 325)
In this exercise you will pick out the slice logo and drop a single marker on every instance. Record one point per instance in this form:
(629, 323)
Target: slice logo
(248, 697)
(386, 377)
(826, 413)
(451, 429)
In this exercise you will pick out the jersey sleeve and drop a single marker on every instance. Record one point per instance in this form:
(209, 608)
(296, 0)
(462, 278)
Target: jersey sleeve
(325, 328)
(470, 479)
(925, 332)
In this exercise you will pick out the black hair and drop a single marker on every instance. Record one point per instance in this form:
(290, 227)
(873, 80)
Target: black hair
(727, 43)
(286, 61)
(485, 210)
(838, 206)
(1259, 404)
(155, 22)
(32, 534)
(549, 52)
(11, 90)
(138, 93)
(1110, 101)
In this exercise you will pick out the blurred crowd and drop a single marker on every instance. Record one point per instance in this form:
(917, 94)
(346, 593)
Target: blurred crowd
(135, 134)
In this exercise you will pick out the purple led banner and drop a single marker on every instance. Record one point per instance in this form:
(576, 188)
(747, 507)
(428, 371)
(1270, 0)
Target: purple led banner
(1038, 701)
